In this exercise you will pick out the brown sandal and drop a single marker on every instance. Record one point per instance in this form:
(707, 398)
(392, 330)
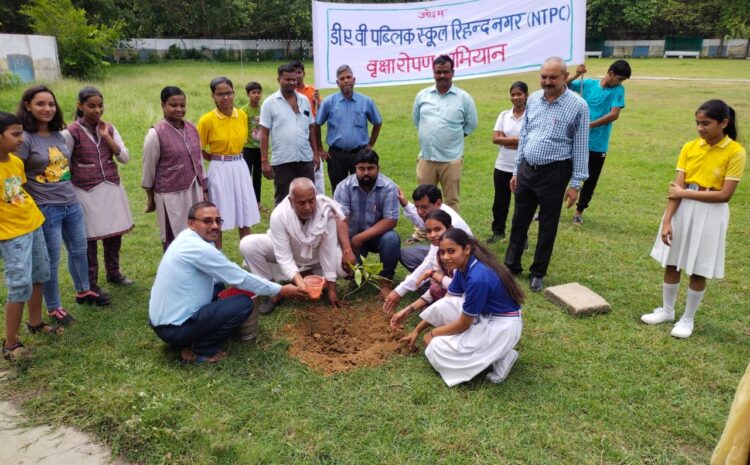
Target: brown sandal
(14, 352)
(45, 328)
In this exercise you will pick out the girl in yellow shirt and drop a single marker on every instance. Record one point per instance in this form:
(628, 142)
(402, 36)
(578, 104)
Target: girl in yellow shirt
(223, 133)
(693, 230)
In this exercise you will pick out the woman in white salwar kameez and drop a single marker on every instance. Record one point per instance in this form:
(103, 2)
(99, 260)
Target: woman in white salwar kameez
(478, 324)
(172, 169)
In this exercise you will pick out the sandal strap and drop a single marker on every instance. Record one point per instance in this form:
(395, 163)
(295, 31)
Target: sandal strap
(42, 328)
(15, 346)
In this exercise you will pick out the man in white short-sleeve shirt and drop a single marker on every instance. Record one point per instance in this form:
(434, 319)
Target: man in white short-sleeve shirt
(286, 117)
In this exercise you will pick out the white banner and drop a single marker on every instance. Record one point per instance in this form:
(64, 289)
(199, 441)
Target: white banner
(395, 43)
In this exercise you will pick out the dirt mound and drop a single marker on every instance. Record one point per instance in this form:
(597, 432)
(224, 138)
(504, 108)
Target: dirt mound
(335, 340)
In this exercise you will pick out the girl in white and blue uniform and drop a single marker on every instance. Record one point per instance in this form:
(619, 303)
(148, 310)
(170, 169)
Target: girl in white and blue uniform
(478, 324)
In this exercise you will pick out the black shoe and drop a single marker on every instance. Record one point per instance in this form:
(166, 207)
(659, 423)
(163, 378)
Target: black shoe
(92, 298)
(495, 237)
(536, 283)
(121, 280)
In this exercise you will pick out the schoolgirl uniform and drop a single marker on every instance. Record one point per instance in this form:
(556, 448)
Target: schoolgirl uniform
(96, 182)
(229, 184)
(173, 168)
(490, 341)
(699, 228)
(430, 262)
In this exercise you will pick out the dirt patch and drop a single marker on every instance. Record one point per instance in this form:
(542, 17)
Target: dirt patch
(336, 340)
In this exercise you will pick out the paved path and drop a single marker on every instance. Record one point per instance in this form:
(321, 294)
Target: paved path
(45, 445)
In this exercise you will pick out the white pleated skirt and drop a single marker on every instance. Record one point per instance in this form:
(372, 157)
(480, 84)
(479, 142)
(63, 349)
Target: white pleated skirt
(106, 209)
(460, 357)
(699, 232)
(230, 188)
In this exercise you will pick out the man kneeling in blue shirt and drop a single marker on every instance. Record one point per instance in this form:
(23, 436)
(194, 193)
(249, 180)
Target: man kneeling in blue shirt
(183, 311)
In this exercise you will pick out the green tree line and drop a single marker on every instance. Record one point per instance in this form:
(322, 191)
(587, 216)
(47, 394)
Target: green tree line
(88, 30)
(291, 19)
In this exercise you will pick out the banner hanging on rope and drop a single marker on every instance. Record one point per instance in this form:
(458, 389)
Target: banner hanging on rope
(395, 43)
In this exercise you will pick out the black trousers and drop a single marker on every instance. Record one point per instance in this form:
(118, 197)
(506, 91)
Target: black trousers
(252, 158)
(285, 173)
(501, 204)
(596, 163)
(543, 186)
(340, 165)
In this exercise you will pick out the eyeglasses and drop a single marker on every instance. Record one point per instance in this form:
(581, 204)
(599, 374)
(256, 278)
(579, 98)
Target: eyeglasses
(224, 94)
(209, 221)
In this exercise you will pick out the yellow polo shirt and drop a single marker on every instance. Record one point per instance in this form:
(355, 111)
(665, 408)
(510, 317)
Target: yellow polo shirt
(18, 211)
(708, 166)
(223, 135)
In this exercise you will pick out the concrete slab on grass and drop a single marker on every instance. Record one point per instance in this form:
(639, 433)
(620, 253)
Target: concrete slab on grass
(577, 300)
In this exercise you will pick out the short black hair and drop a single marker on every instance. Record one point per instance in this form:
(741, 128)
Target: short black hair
(620, 68)
(286, 68)
(441, 60)
(220, 80)
(198, 206)
(252, 85)
(430, 191)
(520, 85)
(7, 120)
(368, 156)
(297, 64)
(170, 91)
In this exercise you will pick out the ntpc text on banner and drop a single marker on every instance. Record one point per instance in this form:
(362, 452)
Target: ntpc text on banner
(391, 44)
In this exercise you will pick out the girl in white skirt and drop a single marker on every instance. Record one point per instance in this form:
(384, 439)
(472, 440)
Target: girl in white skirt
(693, 230)
(223, 133)
(478, 324)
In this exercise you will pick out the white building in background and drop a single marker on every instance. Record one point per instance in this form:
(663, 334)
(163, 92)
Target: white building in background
(30, 57)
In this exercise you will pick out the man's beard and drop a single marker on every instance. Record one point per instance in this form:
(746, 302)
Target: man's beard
(367, 182)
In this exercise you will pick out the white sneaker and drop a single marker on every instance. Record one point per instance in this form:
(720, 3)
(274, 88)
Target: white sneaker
(682, 329)
(659, 315)
(501, 368)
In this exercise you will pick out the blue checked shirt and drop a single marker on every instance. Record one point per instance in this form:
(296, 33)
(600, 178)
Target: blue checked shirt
(364, 209)
(556, 131)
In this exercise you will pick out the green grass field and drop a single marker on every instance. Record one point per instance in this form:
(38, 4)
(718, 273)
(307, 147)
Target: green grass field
(600, 390)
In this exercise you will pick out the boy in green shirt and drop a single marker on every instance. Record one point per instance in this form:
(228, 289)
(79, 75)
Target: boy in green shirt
(251, 150)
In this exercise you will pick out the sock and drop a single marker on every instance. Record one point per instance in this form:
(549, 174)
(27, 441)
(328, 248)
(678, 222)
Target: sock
(692, 302)
(669, 296)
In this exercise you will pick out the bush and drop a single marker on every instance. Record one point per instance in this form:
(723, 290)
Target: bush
(173, 53)
(9, 80)
(81, 46)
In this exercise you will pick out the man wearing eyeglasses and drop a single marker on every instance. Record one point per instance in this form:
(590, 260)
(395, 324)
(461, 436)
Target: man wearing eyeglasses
(183, 310)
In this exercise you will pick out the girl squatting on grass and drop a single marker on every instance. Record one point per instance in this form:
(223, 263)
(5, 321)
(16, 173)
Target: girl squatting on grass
(431, 269)
(478, 324)
(22, 246)
(94, 146)
(693, 230)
